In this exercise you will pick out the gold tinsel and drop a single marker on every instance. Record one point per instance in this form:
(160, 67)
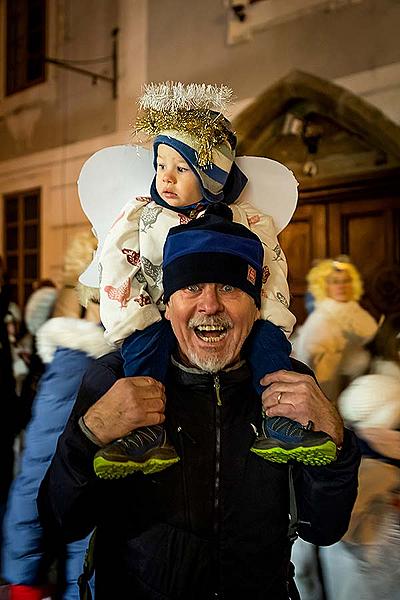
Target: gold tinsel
(193, 109)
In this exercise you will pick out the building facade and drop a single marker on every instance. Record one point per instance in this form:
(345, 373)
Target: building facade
(52, 118)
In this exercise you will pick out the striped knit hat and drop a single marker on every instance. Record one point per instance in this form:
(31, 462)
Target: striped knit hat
(212, 177)
(189, 119)
(213, 249)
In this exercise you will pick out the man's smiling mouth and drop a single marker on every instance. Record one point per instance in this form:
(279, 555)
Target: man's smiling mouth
(211, 333)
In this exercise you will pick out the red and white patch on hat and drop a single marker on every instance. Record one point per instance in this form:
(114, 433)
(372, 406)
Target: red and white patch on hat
(251, 274)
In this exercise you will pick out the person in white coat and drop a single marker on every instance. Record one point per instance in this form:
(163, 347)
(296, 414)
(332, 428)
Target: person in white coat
(332, 338)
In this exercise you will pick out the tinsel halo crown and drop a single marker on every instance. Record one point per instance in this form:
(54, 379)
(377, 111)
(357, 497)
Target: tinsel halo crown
(194, 109)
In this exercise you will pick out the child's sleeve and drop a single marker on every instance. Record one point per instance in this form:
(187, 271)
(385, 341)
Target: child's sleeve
(275, 289)
(125, 302)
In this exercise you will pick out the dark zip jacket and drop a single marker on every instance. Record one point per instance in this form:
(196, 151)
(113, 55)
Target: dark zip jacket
(215, 525)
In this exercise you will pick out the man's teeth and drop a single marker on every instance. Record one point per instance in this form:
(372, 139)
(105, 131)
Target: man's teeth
(203, 332)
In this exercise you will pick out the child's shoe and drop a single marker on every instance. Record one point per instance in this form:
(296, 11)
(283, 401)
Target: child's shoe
(146, 449)
(282, 440)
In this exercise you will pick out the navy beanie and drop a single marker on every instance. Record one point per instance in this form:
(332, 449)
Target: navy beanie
(213, 249)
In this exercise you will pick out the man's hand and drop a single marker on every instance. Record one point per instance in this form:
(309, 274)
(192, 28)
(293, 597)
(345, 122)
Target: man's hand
(298, 397)
(130, 403)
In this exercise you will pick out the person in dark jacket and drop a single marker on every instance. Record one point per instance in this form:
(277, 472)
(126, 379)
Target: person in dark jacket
(216, 524)
(9, 400)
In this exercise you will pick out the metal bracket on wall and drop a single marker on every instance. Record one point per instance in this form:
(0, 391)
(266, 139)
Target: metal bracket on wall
(68, 64)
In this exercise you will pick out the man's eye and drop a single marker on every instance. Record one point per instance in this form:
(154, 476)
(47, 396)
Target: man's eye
(193, 288)
(182, 170)
(227, 288)
(160, 166)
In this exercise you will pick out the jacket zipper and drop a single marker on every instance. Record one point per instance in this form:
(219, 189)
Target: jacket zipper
(217, 388)
(184, 481)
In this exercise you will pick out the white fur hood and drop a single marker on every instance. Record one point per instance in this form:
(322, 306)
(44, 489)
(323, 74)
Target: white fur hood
(74, 334)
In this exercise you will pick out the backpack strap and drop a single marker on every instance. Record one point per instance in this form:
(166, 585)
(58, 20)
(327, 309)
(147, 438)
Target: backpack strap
(85, 593)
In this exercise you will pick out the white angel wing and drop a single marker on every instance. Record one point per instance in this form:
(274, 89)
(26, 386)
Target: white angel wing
(272, 188)
(107, 181)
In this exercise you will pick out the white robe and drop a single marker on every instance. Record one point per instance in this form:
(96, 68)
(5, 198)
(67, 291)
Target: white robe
(331, 340)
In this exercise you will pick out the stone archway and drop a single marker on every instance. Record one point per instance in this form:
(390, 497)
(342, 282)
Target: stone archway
(350, 128)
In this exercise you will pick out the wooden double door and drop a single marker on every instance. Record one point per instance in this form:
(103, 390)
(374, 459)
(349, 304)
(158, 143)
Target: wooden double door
(360, 218)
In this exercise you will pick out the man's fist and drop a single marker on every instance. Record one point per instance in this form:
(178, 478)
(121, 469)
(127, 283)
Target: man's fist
(132, 402)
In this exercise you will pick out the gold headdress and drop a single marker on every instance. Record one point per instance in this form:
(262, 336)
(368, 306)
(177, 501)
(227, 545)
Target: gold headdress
(194, 110)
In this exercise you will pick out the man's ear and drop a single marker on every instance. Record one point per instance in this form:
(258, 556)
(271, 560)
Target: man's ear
(166, 314)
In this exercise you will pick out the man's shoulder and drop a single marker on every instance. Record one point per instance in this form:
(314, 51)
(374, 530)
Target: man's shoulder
(102, 374)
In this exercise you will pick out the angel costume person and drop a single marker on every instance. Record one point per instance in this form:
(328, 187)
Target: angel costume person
(332, 338)
(194, 158)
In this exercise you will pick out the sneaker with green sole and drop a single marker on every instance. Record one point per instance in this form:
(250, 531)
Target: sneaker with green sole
(282, 440)
(146, 449)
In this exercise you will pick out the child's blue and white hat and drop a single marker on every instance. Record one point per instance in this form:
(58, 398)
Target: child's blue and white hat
(189, 119)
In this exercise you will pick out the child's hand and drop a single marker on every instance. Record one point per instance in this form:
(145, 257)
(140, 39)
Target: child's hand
(130, 403)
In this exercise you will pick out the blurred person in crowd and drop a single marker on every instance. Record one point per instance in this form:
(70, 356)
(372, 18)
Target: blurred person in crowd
(15, 330)
(366, 563)
(8, 398)
(67, 345)
(331, 339)
(38, 309)
(331, 342)
(19, 334)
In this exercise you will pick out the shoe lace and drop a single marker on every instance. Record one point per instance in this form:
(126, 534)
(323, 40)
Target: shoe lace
(142, 437)
(287, 426)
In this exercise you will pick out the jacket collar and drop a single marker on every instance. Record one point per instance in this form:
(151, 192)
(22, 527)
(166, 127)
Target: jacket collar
(233, 374)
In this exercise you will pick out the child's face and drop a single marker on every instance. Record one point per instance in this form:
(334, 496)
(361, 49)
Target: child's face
(175, 181)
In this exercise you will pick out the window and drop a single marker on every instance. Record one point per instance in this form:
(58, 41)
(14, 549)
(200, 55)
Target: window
(22, 242)
(26, 43)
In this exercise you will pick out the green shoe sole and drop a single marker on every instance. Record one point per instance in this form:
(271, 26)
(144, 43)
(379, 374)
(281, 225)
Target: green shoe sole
(315, 456)
(106, 469)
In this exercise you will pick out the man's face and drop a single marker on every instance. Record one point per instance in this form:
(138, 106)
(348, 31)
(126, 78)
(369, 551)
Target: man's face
(211, 322)
(175, 181)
